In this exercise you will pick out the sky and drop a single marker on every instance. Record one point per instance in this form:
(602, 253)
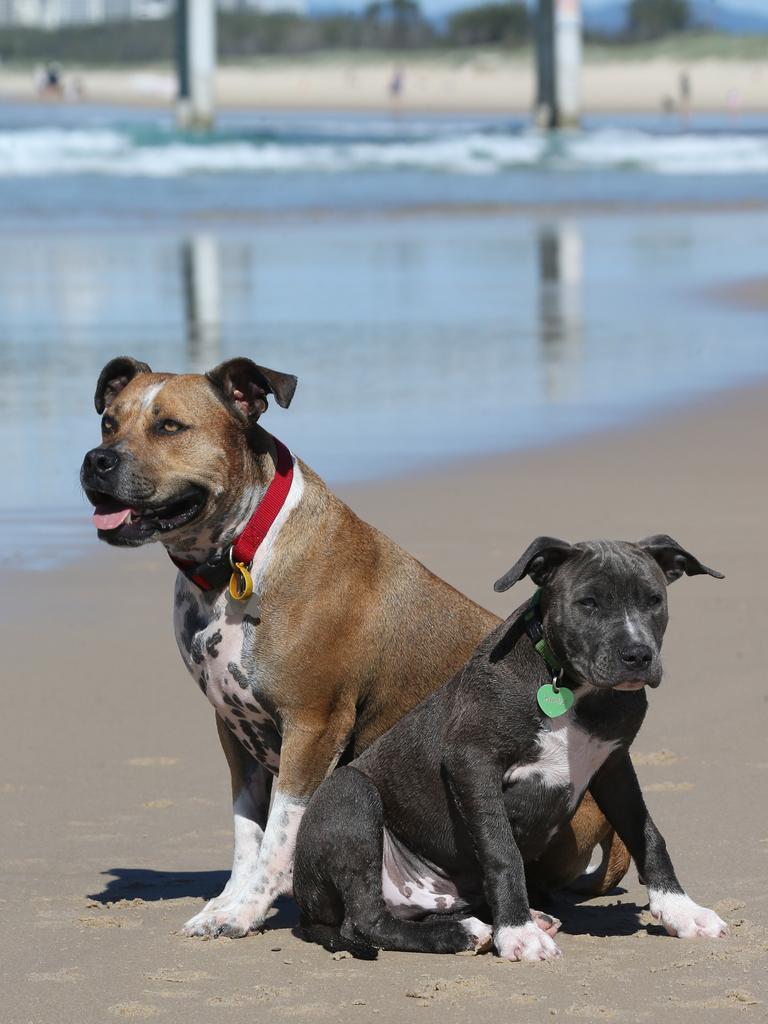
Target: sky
(749, 6)
(758, 6)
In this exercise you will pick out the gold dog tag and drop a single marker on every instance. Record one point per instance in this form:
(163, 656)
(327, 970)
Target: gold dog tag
(240, 586)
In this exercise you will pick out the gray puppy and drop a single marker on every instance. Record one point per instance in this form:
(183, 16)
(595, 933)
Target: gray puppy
(439, 817)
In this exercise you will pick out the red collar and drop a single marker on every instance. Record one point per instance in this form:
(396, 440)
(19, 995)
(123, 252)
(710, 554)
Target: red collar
(246, 545)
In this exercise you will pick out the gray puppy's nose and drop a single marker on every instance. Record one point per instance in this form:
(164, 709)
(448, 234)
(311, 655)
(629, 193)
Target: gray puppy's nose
(100, 461)
(636, 656)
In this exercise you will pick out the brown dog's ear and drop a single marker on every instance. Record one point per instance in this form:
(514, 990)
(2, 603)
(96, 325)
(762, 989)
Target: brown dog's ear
(674, 560)
(245, 386)
(113, 378)
(538, 561)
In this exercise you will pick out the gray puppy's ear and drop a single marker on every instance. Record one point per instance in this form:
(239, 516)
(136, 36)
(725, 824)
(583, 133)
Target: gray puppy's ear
(245, 386)
(674, 560)
(113, 378)
(538, 561)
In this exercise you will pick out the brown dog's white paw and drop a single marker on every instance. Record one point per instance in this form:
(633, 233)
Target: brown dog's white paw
(680, 916)
(232, 921)
(525, 942)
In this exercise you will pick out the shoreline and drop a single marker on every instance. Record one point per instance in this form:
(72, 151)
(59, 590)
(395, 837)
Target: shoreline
(747, 295)
(479, 83)
(667, 416)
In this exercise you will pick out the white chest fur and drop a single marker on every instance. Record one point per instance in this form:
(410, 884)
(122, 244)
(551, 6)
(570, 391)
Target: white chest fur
(219, 642)
(568, 756)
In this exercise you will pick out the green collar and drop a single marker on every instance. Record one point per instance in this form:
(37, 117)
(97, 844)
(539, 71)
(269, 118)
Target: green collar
(535, 631)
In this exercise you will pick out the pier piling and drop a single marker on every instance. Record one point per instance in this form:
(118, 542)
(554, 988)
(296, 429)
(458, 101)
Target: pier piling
(558, 63)
(196, 63)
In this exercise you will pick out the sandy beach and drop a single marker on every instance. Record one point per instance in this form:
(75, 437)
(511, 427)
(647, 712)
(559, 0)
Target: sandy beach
(482, 82)
(115, 795)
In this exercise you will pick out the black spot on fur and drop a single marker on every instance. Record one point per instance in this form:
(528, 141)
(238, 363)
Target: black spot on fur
(193, 624)
(237, 675)
(212, 643)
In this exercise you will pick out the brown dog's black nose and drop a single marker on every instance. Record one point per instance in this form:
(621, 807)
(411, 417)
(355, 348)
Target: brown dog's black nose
(637, 656)
(100, 461)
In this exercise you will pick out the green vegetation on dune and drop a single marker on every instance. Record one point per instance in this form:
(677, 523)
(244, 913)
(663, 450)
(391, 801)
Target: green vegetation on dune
(683, 46)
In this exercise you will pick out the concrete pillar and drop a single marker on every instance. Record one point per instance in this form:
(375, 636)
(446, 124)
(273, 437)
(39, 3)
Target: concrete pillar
(558, 63)
(196, 63)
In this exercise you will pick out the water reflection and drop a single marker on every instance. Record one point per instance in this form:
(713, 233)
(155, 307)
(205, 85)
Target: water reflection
(414, 339)
(201, 289)
(561, 272)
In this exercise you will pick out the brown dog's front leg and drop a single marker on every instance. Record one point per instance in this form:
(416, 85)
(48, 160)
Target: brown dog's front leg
(251, 789)
(310, 750)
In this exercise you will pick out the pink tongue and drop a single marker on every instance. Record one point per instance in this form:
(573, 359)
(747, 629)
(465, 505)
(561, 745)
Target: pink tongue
(104, 520)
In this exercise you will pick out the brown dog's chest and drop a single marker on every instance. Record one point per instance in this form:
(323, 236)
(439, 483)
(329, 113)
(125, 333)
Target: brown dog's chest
(217, 641)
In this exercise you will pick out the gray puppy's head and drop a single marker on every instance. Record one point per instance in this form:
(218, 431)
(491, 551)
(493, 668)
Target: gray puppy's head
(604, 604)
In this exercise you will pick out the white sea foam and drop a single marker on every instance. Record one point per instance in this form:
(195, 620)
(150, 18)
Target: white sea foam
(43, 152)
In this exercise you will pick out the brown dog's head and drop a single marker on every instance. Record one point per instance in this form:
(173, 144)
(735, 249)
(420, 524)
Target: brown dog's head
(176, 454)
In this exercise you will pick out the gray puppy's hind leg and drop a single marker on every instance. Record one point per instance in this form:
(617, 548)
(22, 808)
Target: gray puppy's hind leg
(337, 877)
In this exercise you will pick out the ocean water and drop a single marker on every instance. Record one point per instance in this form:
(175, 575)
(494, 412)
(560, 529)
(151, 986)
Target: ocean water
(441, 286)
(95, 164)
(330, 146)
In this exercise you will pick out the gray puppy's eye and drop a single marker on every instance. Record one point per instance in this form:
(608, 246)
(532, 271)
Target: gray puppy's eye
(587, 602)
(655, 600)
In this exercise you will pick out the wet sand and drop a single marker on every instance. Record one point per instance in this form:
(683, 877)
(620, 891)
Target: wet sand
(115, 795)
(750, 294)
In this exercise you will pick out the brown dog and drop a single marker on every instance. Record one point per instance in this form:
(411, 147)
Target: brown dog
(343, 631)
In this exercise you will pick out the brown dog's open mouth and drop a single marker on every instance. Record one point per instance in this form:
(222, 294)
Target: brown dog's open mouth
(120, 522)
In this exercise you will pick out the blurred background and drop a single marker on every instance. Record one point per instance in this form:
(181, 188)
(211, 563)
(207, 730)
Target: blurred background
(466, 229)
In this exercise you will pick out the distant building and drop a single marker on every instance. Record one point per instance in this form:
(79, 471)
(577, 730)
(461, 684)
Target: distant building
(267, 6)
(51, 14)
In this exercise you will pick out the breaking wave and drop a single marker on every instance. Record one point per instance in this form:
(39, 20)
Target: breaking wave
(125, 152)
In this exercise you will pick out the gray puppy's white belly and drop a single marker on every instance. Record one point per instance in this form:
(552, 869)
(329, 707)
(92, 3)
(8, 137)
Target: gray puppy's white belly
(411, 886)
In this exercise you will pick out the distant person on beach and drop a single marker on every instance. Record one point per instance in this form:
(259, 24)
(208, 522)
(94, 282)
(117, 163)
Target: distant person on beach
(396, 83)
(685, 93)
(49, 83)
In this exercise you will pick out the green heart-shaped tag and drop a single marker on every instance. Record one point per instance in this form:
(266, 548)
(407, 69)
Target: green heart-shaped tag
(554, 703)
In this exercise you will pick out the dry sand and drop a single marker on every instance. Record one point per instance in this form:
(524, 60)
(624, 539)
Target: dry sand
(115, 816)
(483, 82)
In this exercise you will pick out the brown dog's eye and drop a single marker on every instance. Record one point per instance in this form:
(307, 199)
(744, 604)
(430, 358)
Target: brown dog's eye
(108, 425)
(170, 427)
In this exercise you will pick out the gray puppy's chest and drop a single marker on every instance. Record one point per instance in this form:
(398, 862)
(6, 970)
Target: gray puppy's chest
(217, 641)
(541, 794)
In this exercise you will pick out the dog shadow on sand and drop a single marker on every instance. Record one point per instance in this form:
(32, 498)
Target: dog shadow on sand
(579, 916)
